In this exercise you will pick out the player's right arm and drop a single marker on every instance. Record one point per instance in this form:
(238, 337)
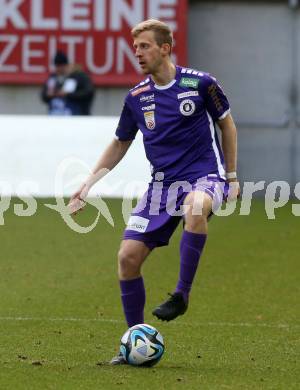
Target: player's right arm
(113, 154)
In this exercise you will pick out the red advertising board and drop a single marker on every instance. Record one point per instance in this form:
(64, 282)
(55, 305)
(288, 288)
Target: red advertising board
(94, 33)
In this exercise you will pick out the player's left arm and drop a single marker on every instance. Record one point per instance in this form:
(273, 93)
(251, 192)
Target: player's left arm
(229, 147)
(217, 105)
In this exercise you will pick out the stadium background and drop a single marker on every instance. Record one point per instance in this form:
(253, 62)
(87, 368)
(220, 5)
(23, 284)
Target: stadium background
(255, 58)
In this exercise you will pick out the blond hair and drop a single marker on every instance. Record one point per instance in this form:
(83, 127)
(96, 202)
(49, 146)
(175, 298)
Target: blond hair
(162, 32)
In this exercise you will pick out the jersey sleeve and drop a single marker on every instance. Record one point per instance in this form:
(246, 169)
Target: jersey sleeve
(127, 126)
(216, 101)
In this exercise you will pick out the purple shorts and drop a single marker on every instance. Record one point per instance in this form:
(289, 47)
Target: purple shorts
(158, 213)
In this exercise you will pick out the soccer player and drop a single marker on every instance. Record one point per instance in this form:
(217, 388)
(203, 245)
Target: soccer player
(176, 109)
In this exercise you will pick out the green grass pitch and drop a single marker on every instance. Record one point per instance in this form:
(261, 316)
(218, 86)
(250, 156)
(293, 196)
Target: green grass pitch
(61, 317)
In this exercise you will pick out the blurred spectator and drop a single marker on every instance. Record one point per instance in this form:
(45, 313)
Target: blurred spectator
(68, 91)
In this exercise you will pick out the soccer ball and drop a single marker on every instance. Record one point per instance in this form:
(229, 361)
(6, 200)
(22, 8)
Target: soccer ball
(142, 345)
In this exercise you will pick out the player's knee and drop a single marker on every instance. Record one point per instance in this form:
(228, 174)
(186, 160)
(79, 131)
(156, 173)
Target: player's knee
(200, 205)
(128, 262)
(196, 223)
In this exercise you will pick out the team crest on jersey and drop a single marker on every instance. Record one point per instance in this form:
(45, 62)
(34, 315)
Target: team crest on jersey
(149, 119)
(187, 107)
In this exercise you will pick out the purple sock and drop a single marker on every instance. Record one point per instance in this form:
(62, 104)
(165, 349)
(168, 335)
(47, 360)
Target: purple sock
(133, 300)
(191, 247)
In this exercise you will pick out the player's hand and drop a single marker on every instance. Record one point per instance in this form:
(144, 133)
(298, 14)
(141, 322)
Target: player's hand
(77, 201)
(234, 190)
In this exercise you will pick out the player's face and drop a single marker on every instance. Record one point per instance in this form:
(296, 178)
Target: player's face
(148, 53)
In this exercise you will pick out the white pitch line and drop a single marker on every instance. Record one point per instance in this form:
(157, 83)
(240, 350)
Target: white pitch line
(69, 319)
(111, 320)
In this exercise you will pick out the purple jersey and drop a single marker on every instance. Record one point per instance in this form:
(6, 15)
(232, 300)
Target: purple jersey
(178, 124)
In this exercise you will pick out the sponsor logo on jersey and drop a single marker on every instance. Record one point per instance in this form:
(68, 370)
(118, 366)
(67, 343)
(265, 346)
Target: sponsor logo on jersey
(147, 98)
(189, 82)
(187, 107)
(149, 119)
(148, 108)
(187, 94)
(140, 90)
(213, 93)
(138, 224)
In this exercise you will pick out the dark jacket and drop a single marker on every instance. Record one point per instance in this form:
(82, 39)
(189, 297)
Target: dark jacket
(79, 94)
